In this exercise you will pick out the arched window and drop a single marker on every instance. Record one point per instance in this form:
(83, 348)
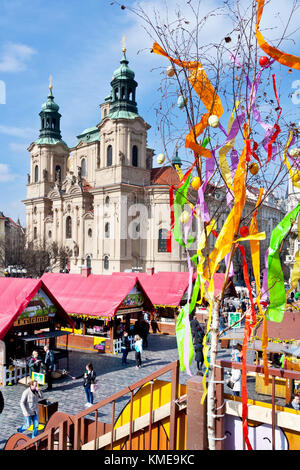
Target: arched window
(83, 168)
(109, 156)
(36, 174)
(106, 262)
(107, 230)
(162, 240)
(88, 262)
(135, 156)
(57, 173)
(107, 201)
(35, 233)
(69, 227)
(90, 233)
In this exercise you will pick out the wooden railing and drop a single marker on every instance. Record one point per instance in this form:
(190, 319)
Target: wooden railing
(220, 401)
(74, 440)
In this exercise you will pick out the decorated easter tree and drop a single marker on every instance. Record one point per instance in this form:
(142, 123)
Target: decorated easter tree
(220, 96)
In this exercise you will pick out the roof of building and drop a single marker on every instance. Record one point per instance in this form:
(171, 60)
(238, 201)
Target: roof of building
(97, 295)
(287, 330)
(163, 288)
(122, 114)
(91, 134)
(15, 295)
(165, 175)
(49, 141)
(167, 288)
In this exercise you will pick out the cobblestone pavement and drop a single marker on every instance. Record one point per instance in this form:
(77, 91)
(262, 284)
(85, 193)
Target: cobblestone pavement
(112, 377)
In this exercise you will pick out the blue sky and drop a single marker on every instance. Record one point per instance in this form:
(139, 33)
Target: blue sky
(78, 43)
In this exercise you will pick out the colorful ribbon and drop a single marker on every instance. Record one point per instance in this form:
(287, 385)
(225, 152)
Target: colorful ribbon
(207, 94)
(277, 295)
(289, 60)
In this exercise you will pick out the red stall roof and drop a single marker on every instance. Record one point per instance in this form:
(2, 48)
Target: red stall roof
(167, 288)
(163, 288)
(287, 330)
(94, 295)
(15, 295)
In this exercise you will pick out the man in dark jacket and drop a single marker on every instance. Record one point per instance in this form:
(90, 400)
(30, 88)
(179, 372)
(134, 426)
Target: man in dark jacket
(49, 365)
(125, 348)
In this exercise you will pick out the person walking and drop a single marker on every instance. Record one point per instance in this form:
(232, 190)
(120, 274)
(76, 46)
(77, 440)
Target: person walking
(49, 366)
(125, 348)
(30, 408)
(138, 346)
(89, 380)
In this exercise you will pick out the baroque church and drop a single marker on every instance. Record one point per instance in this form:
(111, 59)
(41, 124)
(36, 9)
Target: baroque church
(101, 201)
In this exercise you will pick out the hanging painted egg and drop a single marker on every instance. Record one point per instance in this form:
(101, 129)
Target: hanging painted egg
(181, 102)
(160, 158)
(253, 168)
(170, 71)
(263, 61)
(244, 231)
(295, 152)
(196, 183)
(213, 120)
(184, 218)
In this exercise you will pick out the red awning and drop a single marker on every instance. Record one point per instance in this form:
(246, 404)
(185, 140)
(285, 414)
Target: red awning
(15, 295)
(96, 295)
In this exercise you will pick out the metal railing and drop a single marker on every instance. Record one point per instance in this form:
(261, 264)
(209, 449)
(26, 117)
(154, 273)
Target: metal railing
(75, 440)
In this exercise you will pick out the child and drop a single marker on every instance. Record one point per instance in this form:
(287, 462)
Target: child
(138, 346)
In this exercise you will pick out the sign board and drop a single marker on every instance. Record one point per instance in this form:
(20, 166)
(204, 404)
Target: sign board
(39, 309)
(40, 378)
(234, 317)
(135, 298)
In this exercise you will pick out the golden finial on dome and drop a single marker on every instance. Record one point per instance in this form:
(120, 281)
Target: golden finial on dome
(50, 84)
(124, 44)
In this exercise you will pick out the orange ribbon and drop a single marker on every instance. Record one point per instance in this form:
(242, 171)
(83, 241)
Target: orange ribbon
(207, 95)
(289, 60)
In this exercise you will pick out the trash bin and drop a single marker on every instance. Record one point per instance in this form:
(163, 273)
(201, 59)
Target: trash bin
(46, 410)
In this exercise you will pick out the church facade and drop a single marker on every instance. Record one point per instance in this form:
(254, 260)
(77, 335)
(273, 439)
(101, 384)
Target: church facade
(101, 201)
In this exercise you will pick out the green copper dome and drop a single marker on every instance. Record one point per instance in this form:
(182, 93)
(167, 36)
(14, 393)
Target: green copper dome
(176, 160)
(50, 122)
(122, 98)
(50, 104)
(123, 72)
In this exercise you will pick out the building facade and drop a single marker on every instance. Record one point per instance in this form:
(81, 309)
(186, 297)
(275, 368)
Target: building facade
(101, 201)
(11, 238)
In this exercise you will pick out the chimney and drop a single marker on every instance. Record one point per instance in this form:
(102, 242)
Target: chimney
(150, 271)
(85, 271)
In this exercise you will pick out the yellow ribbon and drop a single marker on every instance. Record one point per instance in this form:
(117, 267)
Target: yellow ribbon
(224, 167)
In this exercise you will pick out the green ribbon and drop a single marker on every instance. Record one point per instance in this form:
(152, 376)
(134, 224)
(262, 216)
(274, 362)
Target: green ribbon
(277, 295)
(180, 327)
(179, 202)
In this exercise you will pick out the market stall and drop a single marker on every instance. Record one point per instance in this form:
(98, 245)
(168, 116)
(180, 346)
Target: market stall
(29, 315)
(168, 292)
(102, 307)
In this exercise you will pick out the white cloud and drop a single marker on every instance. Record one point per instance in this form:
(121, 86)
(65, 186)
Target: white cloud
(15, 56)
(5, 174)
(16, 147)
(23, 132)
